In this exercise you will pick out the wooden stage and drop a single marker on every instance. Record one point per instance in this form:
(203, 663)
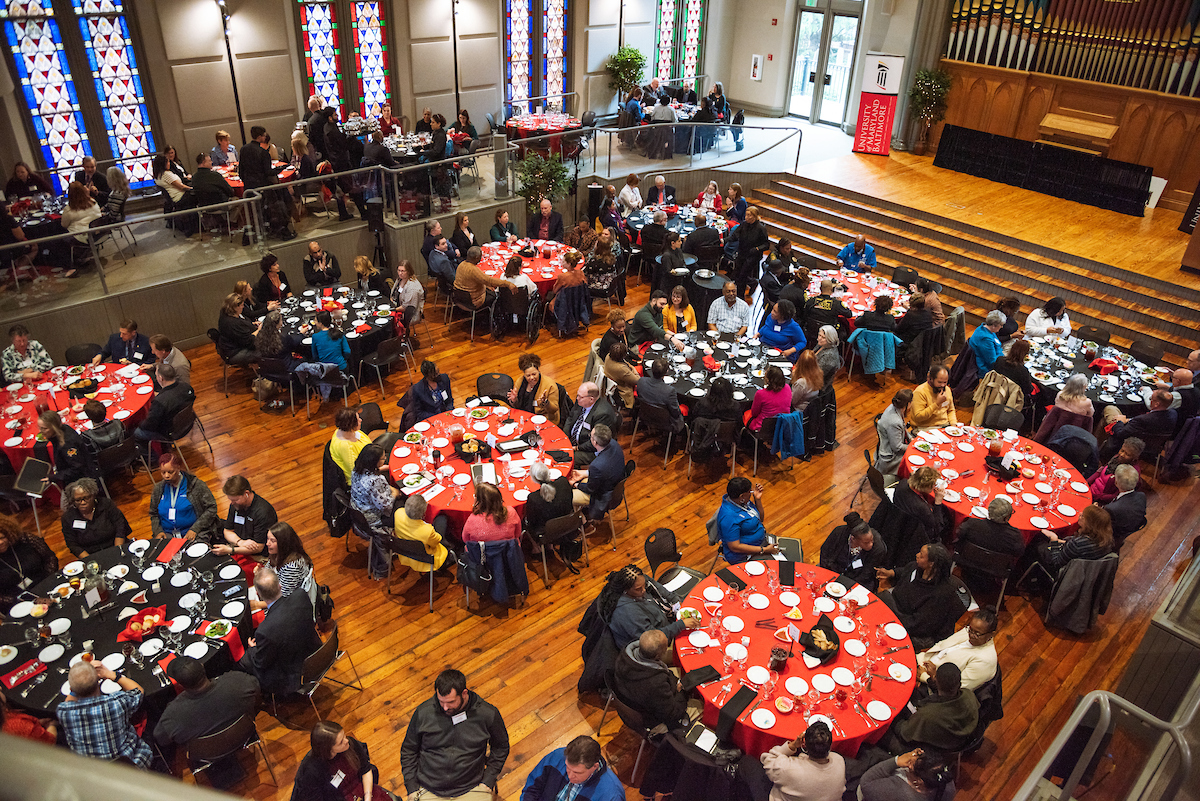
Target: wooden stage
(1151, 245)
(526, 660)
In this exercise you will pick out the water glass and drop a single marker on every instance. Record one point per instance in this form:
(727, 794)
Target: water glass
(726, 664)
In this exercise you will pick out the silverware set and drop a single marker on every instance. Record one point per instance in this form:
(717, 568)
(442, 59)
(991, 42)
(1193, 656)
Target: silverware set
(33, 683)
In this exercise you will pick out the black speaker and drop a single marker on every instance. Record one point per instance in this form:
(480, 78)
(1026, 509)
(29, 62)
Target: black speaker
(595, 198)
(373, 214)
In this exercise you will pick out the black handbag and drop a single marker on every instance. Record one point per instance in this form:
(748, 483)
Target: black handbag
(474, 576)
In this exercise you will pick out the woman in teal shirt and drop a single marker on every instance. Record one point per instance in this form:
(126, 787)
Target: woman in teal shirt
(182, 505)
(329, 345)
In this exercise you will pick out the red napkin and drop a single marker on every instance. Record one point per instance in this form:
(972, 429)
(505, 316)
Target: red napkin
(327, 292)
(162, 663)
(129, 635)
(362, 329)
(171, 549)
(711, 364)
(236, 649)
(1103, 366)
(24, 673)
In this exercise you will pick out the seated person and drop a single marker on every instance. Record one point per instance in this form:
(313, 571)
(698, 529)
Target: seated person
(771, 401)
(582, 237)
(1156, 425)
(503, 230)
(805, 768)
(825, 309)
(915, 321)
(91, 522)
(329, 346)
(1012, 367)
(590, 410)
(1093, 540)
(729, 314)
(284, 639)
(103, 434)
(93, 181)
(337, 767)
(652, 390)
(432, 394)
(853, 550)
(100, 725)
(537, 393)
(224, 153)
(923, 597)
(348, 441)
(25, 560)
(181, 505)
(945, 720)
(126, 346)
(633, 603)
(780, 330)
(173, 398)
(1128, 510)
(235, 342)
(986, 343)
(857, 256)
(995, 533)
(1073, 396)
(547, 225)
(441, 265)
(321, 267)
(662, 193)
(618, 331)
(491, 520)
(647, 324)
(248, 522)
(645, 682)
(594, 484)
(971, 649)
(208, 184)
(879, 318)
(772, 281)
(26, 183)
(807, 381)
(739, 522)
(203, 706)
(920, 497)
(575, 770)
(551, 500)
(1103, 482)
(409, 524)
(915, 776)
(25, 359)
(618, 370)
(933, 404)
(475, 282)
(81, 212)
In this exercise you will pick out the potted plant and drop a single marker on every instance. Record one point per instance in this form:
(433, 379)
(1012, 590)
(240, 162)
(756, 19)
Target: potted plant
(541, 177)
(625, 68)
(927, 103)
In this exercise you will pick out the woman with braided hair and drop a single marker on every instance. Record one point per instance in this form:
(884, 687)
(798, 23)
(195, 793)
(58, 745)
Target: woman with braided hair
(633, 603)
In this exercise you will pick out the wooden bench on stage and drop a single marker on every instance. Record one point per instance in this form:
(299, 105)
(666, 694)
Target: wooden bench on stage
(1077, 133)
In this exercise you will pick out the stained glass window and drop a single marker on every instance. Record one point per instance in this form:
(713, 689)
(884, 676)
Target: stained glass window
(118, 86)
(319, 29)
(680, 38)
(106, 117)
(692, 38)
(371, 57)
(536, 52)
(666, 38)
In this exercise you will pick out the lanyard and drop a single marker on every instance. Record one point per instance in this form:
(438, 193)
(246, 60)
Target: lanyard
(174, 493)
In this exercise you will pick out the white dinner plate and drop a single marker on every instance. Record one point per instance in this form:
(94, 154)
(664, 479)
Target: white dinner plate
(699, 639)
(151, 646)
(965, 447)
(14, 409)
(409, 469)
(13, 442)
(713, 594)
(949, 474)
(113, 661)
(233, 609)
(916, 460)
(20, 609)
(382, 320)
(1030, 498)
(854, 647)
(555, 474)
(733, 623)
(759, 601)
(755, 568)
(980, 512)
(462, 479)
(480, 426)
(842, 676)
(971, 492)
(895, 631)
(796, 686)
(307, 340)
(696, 392)
(763, 718)
(835, 589)
(825, 605)
(7, 654)
(197, 650)
(51, 653)
(537, 419)
(230, 572)
(879, 710)
(947, 455)
(351, 335)
(121, 415)
(181, 578)
(789, 599)
(1061, 473)
(521, 495)
(1040, 522)
(823, 683)
(757, 674)
(109, 687)
(1066, 510)
(401, 452)
(899, 672)
(153, 573)
(1079, 486)
(951, 495)
(180, 623)
(421, 426)
(843, 624)
(59, 626)
(189, 600)
(146, 390)
(736, 651)
(196, 550)
(139, 379)
(739, 395)
(139, 546)
(1043, 487)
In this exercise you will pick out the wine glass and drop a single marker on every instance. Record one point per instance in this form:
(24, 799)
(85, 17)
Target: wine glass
(726, 663)
(769, 686)
(814, 701)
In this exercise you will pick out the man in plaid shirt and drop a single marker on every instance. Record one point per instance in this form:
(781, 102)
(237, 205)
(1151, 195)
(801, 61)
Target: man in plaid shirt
(98, 725)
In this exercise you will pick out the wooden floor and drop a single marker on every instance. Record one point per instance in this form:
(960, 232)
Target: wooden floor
(526, 660)
(1150, 245)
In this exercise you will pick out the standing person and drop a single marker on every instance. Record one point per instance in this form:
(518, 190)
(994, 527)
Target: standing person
(99, 725)
(455, 746)
(753, 242)
(336, 768)
(257, 171)
(577, 771)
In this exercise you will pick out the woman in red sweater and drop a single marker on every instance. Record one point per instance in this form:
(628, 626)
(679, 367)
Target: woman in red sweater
(490, 519)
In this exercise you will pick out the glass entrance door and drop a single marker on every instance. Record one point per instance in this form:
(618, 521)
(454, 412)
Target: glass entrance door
(824, 65)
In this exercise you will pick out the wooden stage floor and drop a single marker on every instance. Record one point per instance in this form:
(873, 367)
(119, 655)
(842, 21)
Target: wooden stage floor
(1149, 245)
(526, 660)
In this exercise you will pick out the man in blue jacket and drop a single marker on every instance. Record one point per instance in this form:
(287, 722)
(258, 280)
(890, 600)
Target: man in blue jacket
(126, 346)
(579, 770)
(595, 483)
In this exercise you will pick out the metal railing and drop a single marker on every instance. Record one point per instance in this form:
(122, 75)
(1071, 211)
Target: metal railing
(511, 104)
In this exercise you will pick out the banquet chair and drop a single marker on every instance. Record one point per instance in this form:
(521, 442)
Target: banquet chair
(204, 752)
(975, 560)
(388, 353)
(707, 256)
(1000, 417)
(182, 425)
(1094, 580)
(409, 549)
(82, 353)
(320, 662)
(764, 437)
(276, 370)
(335, 378)
(661, 548)
(557, 530)
(726, 435)
(616, 499)
(215, 336)
(1055, 419)
(904, 276)
(656, 419)
(1147, 351)
(1088, 333)
(630, 718)
(115, 457)
(494, 385)
(461, 300)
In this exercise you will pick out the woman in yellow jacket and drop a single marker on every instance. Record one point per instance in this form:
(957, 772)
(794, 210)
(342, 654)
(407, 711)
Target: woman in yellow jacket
(537, 392)
(679, 312)
(410, 525)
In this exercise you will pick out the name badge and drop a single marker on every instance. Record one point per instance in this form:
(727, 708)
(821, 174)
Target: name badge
(282, 286)
(25, 584)
(586, 426)
(336, 779)
(778, 328)
(459, 718)
(238, 520)
(856, 564)
(171, 514)
(137, 355)
(79, 524)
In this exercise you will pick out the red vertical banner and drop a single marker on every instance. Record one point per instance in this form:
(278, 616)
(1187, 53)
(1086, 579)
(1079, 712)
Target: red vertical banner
(876, 114)
(877, 104)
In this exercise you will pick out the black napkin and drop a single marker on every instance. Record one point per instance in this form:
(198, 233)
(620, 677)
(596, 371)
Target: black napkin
(732, 710)
(735, 583)
(701, 675)
(846, 582)
(559, 456)
(995, 465)
(810, 648)
(787, 574)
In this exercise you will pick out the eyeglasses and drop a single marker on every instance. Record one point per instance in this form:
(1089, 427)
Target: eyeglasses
(83, 501)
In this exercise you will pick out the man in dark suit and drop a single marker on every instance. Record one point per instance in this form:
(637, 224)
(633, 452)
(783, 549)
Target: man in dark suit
(256, 171)
(174, 397)
(96, 183)
(1185, 397)
(653, 390)
(1128, 509)
(1154, 427)
(203, 707)
(546, 225)
(704, 235)
(995, 533)
(655, 233)
(321, 267)
(589, 411)
(286, 637)
(661, 194)
(594, 485)
(126, 346)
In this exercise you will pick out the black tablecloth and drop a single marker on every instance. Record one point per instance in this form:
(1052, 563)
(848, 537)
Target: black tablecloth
(103, 628)
(741, 371)
(702, 292)
(295, 315)
(1059, 361)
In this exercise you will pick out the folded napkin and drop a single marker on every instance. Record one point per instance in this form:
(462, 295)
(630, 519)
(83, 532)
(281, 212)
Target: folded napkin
(559, 456)
(327, 292)
(24, 673)
(787, 574)
(129, 635)
(172, 547)
(362, 329)
(701, 675)
(710, 363)
(162, 663)
(1104, 366)
(732, 710)
(726, 575)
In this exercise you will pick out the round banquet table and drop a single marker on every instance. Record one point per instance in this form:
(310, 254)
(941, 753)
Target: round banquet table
(1052, 361)
(680, 219)
(368, 318)
(703, 291)
(746, 370)
(456, 500)
(1026, 518)
(406, 148)
(124, 389)
(852, 729)
(861, 289)
(103, 627)
(527, 125)
(230, 174)
(542, 270)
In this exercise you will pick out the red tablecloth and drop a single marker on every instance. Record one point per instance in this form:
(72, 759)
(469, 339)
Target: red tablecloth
(456, 500)
(132, 407)
(1023, 510)
(861, 290)
(527, 125)
(748, 736)
(541, 270)
(288, 173)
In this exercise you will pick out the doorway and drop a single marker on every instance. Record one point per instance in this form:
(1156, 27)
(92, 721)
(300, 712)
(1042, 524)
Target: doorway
(824, 65)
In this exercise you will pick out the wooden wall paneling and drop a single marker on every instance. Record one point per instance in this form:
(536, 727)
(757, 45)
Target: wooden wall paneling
(1131, 140)
(1038, 99)
(1002, 111)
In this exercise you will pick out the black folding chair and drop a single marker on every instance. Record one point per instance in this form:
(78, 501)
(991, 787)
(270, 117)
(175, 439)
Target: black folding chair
(204, 752)
(182, 424)
(656, 418)
(494, 385)
(388, 353)
(978, 561)
(556, 530)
